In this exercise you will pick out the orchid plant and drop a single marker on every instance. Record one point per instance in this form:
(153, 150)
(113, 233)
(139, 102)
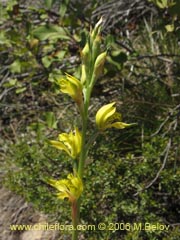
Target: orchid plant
(76, 143)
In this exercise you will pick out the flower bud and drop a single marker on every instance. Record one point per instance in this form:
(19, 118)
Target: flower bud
(83, 74)
(99, 64)
(96, 47)
(97, 29)
(85, 54)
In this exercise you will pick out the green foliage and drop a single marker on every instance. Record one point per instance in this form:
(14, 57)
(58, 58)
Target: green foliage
(171, 20)
(51, 32)
(49, 3)
(109, 193)
(164, 3)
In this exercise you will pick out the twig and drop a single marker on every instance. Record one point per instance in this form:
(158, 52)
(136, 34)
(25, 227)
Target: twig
(5, 92)
(166, 151)
(160, 127)
(161, 56)
(173, 123)
(5, 77)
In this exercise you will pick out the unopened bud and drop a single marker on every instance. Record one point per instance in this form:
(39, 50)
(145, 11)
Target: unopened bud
(83, 74)
(97, 28)
(96, 47)
(99, 64)
(85, 53)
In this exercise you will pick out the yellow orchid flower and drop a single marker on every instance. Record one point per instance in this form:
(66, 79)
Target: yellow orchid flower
(71, 86)
(70, 188)
(70, 143)
(107, 117)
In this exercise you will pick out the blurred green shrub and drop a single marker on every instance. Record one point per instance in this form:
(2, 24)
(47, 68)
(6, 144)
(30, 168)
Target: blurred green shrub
(110, 190)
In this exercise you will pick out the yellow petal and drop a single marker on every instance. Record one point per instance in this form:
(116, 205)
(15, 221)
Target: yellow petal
(103, 114)
(71, 86)
(76, 185)
(72, 141)
(71, 187)
(66, 139)
(61, 186)
(60, 146)
(74, 81)
(69, 142)
(120, 125)
(62, 195)
(68, 88)
(77, 141)
(107, 117)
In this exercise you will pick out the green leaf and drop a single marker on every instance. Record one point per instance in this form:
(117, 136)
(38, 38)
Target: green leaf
(50, 32)
(3, 39)
(11, 83)
(20, 90)
(109, 41)
(63, 8)
(11, 4)
(60, 55)
(47, 61)
(49, 3)
(117, 58)
(16, 66)
(174, 9)
(51, 120)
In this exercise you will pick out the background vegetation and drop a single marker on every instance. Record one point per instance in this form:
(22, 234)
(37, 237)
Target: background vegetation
(132, 175)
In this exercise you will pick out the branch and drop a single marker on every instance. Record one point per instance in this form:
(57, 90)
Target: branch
(161, 56)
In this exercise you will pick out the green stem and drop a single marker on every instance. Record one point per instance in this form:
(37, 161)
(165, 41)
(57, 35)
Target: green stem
(75, 235)
(84, 147)
(84, 130)
(82, 157)
(76, 208)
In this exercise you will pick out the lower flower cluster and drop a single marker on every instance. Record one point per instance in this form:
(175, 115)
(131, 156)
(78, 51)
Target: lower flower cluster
(70, 188)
